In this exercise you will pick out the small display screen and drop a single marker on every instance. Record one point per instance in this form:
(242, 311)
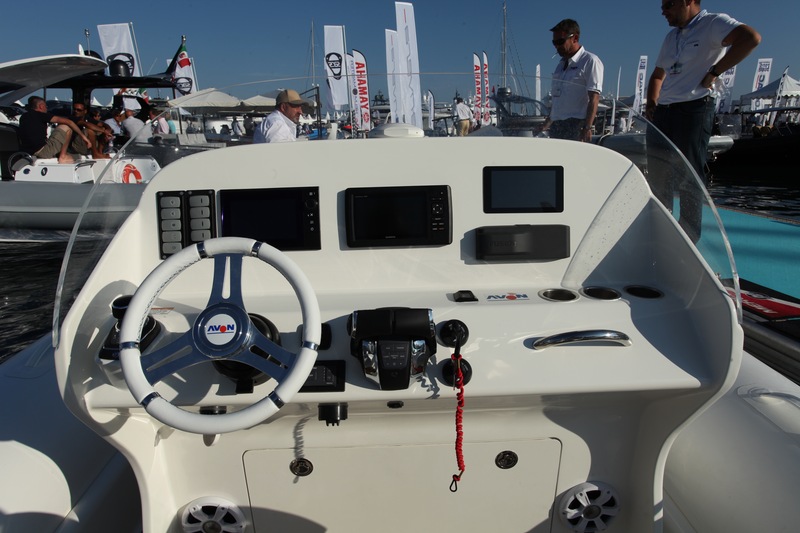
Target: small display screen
(287, 219)
(523, 189)
(398, 216)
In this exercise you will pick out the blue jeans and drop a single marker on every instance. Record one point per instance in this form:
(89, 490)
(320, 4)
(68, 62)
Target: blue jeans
(688, 125)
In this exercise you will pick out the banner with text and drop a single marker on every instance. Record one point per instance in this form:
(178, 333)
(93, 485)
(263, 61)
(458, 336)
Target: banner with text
(361, 90)
(487, 119)
(638, 95)
(762, 73)
(477, 104)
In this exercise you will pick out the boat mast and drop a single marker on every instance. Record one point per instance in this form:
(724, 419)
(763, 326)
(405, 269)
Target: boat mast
(313, 63)
(503, 45)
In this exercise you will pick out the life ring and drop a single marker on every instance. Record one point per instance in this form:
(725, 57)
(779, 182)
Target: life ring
(130, 172)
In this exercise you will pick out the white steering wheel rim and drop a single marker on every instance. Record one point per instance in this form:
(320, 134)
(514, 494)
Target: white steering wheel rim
(139, 307)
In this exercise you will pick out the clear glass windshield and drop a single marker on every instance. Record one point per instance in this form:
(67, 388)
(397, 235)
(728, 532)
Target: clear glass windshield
(230, 116)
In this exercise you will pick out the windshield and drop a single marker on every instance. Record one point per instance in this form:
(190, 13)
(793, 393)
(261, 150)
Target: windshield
(228, 117)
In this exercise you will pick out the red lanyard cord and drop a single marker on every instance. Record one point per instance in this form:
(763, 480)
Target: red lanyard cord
(458, 383)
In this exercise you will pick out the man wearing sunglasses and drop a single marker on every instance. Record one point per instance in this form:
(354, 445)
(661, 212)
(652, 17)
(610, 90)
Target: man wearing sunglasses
(576, 87)
(680, 93)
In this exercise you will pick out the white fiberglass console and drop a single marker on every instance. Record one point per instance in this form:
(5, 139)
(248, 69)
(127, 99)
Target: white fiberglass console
(295, 360)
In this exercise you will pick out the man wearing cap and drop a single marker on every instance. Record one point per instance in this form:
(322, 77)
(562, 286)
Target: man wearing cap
(281, 125)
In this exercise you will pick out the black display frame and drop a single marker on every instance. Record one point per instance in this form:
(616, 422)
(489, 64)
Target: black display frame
(373, 216)
(491, 202)
(286, 218)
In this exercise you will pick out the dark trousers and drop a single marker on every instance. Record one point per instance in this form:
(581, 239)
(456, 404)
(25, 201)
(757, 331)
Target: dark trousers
(688, 125)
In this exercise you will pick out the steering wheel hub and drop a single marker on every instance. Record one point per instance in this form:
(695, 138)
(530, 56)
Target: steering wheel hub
(222, 330)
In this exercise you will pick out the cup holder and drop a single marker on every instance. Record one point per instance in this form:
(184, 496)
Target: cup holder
(601, 293)
(642, 291)
(558, 295)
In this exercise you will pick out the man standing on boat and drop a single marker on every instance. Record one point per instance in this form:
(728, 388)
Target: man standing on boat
(577, 84)
(281, 125)
(680, 93)
(33, 137)
(463, 116)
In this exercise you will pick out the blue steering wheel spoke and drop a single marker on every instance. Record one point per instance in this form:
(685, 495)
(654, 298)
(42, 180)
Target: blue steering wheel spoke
(227, 280)
(175, 356)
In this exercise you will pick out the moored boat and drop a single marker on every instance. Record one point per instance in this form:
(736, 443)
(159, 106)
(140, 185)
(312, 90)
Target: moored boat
(43, 194)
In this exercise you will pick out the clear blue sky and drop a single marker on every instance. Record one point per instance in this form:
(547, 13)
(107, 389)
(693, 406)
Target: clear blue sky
(237, 41)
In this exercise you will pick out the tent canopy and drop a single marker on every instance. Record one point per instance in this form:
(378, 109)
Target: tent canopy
(791, 87)
(206, 101)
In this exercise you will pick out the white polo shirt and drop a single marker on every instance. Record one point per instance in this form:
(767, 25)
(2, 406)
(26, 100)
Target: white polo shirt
(688, 53)
(572, 82)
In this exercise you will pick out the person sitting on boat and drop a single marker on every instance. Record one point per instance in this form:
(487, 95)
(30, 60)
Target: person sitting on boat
(281, 124)
(577, 84)
(132, 126)
(32, 132)
(114, 121)
(464, 118)
(98, 135)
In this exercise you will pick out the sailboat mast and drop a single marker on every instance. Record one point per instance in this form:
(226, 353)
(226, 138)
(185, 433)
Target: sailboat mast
(313, 60)
(504, 46)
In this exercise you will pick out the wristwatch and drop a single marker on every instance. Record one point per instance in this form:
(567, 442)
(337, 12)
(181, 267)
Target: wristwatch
(713, 71)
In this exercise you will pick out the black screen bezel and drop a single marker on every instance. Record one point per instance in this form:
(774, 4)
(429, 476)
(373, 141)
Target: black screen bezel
(245, 213)
(489, 203)
(438, 226)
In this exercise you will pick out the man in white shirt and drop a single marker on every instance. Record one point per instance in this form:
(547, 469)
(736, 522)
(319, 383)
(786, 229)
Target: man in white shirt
(577, 83)
(680, 95)
(464, 118)
(281, 125)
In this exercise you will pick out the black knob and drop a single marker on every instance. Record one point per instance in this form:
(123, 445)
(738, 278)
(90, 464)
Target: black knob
(449, 372)
(452, 331)
(120, 305)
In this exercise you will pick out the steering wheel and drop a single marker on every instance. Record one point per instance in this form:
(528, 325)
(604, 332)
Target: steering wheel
(221, 332)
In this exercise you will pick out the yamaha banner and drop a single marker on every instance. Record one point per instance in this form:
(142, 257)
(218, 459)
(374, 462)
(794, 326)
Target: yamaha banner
(361, 91)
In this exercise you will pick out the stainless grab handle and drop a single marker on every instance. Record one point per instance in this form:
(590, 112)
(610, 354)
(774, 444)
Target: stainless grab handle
(591, 335)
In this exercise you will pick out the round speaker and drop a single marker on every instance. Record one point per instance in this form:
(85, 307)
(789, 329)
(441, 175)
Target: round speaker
(589, 507)
(213, 514)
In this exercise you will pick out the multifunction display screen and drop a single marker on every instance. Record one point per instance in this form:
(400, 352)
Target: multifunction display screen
(523, 189)
(287, 219)
(398, 216)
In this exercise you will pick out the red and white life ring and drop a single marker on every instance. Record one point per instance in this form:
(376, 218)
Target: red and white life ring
(131, 174)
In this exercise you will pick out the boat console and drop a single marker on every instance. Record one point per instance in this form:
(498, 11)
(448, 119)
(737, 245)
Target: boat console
(507, 332)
